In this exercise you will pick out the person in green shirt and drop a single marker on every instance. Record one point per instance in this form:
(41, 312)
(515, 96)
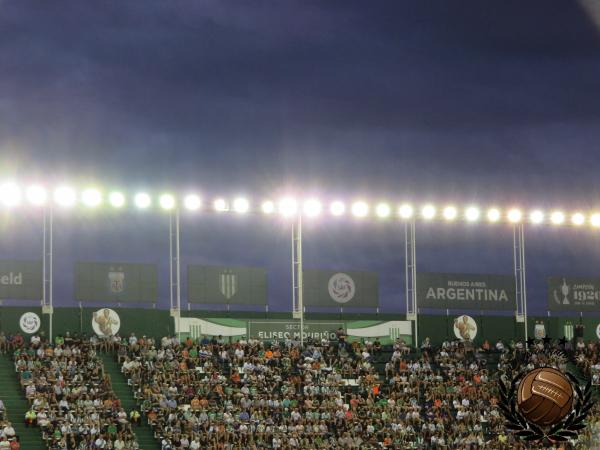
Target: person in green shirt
(59, 340)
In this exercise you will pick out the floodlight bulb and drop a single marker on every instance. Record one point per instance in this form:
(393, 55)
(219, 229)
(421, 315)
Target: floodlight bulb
(167, 202)
(312, 207)
(536, 217)
(288, 207)
(64, 196)
(116, 199)
(192, 202)
(10, 194)
(91, 198)
(383, 210)
(241, 205)
(472, 214)
(595, 220)
(428, 212)
(557, 217)
(268, 207)
(360, 209)
(493, 214)
(514, 215)
(578, 219)
(142, 200)
(337, 208)
(36, 195)
(220, 205)
(450, 213)
(406, 211)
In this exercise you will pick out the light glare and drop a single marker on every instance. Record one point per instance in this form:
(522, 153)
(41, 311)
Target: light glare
(142, 200)
(406, 211)
(450, 213)
(472, 214)
(557, 217)
(360, 209)
(493, 214)
(536, 217)
(116, 199)
(91, 198)
(166, 201)
(428, 212)
(578, 219)
(288, 207)
(36, 195)
(192, 202)
(241, 205)
(337, 208)
(268, 207)
(220, 205)
(595, 220)
(10, 194)
(312, 207)
(383, 210)
(64, 196)
(514, 215)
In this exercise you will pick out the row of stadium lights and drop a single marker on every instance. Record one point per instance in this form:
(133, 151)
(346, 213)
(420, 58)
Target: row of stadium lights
(11, 195)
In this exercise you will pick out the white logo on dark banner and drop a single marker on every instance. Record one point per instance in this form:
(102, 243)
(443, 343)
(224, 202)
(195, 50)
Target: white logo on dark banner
(341, 288)
(564, 289)
(30, 322)
(465, 328)
(106, 322)
(116, 280)
(540, 330)
(228, 284)
(573, 293)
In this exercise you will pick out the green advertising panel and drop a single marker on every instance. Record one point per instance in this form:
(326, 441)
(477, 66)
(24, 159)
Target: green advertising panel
(21, 280)
(341, 288)
(465, 291)
(227, 285)
(273, 330)
(573, 294)
(115, 282)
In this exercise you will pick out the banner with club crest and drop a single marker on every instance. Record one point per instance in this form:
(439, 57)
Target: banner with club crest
(227, 285)
(116, 282)
(573, 294)
(345, 288)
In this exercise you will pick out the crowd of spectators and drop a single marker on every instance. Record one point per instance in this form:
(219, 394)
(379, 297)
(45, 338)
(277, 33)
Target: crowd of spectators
(70, 397)
(8, 437)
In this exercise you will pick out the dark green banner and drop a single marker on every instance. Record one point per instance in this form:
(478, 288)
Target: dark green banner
(573, 294)
(21, 280)
(274, 330)
(115, 282)
(465, 291)
(227, 285)
(341, 288)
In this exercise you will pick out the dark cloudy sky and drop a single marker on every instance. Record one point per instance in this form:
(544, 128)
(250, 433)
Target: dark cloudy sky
(451, 101)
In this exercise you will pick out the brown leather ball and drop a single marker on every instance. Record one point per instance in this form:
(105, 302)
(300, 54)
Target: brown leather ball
(545, 396)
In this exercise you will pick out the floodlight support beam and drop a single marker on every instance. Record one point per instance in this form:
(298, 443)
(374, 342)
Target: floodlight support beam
(410, 268)
(175, 269)
(520, 275)
(47, 269)
(297, 276)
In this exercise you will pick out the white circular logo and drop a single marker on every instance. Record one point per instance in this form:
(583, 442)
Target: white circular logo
(106, 322)
(598, 331)
(30, 322)
(341, 288)
(465, 328)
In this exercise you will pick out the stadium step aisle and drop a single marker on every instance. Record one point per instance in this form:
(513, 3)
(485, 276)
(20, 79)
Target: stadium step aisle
(143, 433)
(16, 406)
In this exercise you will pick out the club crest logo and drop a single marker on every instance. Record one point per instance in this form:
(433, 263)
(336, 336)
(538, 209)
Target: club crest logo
(465, 328)
(545, 404)
(540, 330)
(106, 322)
(564, 291)
(30, 322)
(229, 282)
(341, 288)
(116, 280)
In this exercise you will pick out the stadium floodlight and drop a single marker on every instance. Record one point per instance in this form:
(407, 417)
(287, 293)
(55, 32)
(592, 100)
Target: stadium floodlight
(337, 208)
(557, 218)
(383, 210)
(65, 196)
(472, 214)
(360, 209)
(536, 217)
(312, 207)
(450, 213)
(142, 200)
(220, 205)
(514, 215)
(10, 195)
(428, 212)
(116, 199)
(578, 219)
(241, 205)
(36, 195)
(595, 220)
(493, 214)
(406, 211)
(166, 202)
(288, 207)
(91, 197)
(192, 202)
(268, 207)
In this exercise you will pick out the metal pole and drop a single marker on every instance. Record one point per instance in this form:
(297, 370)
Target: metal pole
(524, 278)
(178, 274)
(300, 277)
(51, 282)
(171, 259)
(294, 309)
(44, 262)
(414, 283)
